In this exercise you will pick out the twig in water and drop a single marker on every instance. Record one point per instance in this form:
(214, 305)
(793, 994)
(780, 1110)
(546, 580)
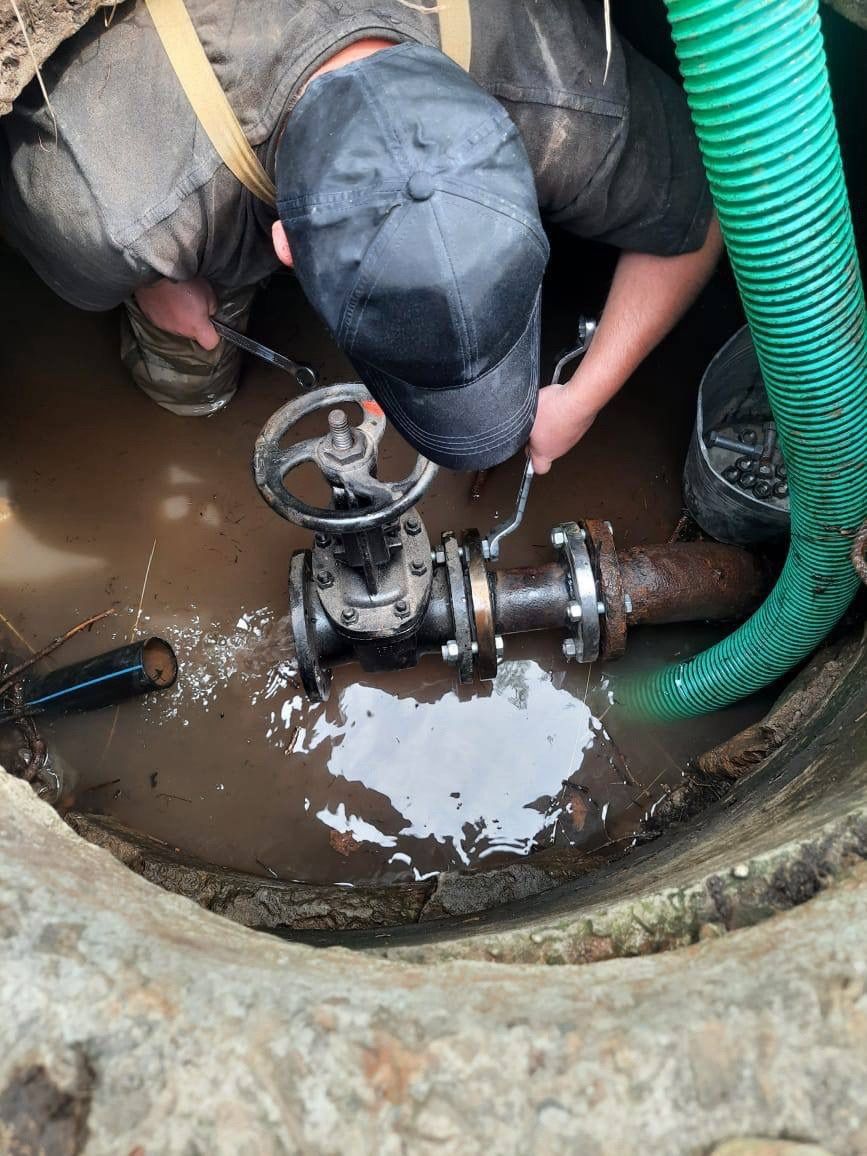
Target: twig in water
(16, 632)
(11, 685)
(100, 786)
(587, 687)
(265, 867)
(132, 633)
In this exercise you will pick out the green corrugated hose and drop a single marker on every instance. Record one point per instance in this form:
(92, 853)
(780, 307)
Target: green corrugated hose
(757, 84)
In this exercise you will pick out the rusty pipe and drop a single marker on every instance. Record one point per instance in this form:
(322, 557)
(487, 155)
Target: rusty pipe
(682, 582)
(691, 581)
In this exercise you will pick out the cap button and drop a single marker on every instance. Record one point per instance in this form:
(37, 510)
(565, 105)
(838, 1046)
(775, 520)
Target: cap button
(420, 186)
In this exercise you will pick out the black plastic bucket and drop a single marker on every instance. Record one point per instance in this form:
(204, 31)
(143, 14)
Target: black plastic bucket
(731, 397)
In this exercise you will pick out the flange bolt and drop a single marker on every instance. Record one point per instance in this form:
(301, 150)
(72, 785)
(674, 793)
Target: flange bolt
(412, 525)
(322, 540)
(348, 615)
(324, 579)
(401, 608)
(451, 652)
(418, 568)
(558, 538)
(570, 648)
(574, 612)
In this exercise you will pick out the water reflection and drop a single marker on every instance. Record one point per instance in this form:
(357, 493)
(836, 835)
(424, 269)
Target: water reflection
(485, 759)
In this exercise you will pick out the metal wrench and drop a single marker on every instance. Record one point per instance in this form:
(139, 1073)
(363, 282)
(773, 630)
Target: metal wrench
(491, 544)
(305, 375)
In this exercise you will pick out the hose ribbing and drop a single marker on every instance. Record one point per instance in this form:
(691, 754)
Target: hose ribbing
(757, 83)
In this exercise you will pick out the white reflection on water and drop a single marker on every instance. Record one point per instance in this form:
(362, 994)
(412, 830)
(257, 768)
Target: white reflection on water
(484, 764)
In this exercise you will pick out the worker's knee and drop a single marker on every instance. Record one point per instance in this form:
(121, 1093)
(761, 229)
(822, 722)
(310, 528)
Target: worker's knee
(176, 372)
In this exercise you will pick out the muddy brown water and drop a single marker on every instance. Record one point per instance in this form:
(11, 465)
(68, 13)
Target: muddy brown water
(397, 776)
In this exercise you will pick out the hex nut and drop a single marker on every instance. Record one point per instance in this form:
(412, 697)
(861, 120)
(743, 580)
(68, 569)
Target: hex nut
(324, 579)
(348, 615)
(499, 647)
(412, 525)
(574, 613)
(558, 538)
(570, 648)
(451, 652)
(401, 608)
(418, 568)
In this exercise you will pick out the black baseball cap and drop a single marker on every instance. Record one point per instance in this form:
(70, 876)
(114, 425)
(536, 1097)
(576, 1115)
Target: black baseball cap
(410, 207)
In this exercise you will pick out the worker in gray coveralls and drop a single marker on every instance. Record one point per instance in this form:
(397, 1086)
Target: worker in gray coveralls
(409, 198)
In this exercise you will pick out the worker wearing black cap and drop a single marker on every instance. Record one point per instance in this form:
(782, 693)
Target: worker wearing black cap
(410, 195)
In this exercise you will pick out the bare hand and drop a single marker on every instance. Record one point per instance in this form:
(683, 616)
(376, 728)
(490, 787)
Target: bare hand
(561, 422)
(182, 307)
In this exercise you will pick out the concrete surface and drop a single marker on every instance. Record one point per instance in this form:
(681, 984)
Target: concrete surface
(131, 1018)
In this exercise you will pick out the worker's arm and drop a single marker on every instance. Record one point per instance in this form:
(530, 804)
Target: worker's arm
(181, 307)
(648, 297)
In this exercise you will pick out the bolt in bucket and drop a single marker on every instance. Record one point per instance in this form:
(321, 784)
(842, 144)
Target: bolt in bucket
(735, 482)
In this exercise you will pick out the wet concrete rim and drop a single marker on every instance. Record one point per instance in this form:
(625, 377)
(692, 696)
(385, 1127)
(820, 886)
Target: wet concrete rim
(778, 814)
(135, 1019)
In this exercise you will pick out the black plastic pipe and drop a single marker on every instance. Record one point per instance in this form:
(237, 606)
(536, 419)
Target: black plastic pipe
(106, 679)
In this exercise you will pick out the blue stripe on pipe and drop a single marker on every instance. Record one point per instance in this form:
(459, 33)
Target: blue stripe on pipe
(83, 685)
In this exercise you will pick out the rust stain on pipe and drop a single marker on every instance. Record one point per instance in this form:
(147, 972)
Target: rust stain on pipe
(689, 581)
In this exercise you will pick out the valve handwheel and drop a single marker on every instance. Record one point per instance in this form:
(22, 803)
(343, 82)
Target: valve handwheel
(352, 469)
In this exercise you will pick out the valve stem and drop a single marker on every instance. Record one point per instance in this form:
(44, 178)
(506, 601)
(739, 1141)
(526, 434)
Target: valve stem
(341, 430)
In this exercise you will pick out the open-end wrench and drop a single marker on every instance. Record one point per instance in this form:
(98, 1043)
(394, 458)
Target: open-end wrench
(305, 375)
(491, 544)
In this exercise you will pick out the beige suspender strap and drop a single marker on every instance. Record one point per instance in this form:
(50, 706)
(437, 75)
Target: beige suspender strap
(456, 31)
(209, 102)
